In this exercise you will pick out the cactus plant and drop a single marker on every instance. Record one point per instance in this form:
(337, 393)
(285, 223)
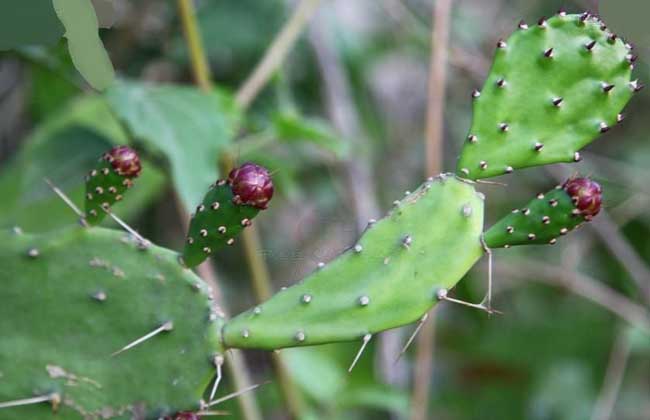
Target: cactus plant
(73, 297)
(390, 277)
(98, 325)
(548, 216)
(228, 207)
(553, 88)
(109, 180)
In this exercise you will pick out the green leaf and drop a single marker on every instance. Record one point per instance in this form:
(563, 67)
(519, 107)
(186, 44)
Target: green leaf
(63, 149)
(86, 48)
(185, 125)
(292, 127)
(28, 22)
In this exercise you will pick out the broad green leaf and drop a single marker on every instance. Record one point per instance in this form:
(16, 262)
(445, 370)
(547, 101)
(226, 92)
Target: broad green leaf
(291, 127)
(28, 22)
(86, 48)
(63, 149)
(187, 126)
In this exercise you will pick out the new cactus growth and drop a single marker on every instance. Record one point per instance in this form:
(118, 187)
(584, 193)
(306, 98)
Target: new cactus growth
(72, 298)
(553, 88)
(390, 277)
(548, 216)
(228, 207)
(109, 180)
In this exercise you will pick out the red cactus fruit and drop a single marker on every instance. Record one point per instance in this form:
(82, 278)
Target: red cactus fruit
(251, 185)
(125, 161)
(586, 195)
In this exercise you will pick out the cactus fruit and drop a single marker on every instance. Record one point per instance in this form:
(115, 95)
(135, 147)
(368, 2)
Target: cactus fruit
(73, 297)
(228, 207)
(108, 181)
(553, 88)
(389, 278)
(548, 216)
(251, 185)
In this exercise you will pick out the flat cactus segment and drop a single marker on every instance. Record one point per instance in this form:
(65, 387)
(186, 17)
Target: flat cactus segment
(73, 297)
(388, 278)
(216, 223)
(109, 180)
(542, 221)
(553, 88)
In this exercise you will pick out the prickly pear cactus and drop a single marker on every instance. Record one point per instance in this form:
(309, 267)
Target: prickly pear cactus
(108, 181)
(389, 278)
(553, 88)
(72, 298)
(227, 208)
(548, 216)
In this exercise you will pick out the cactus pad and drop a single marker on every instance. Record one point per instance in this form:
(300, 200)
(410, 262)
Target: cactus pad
(216, 223)
(553, 88)
(548, 216)
(389, 278)
(108, 181)
(71, 298)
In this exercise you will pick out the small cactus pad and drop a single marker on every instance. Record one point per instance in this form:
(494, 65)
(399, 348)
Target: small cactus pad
(108, 181)
(553, 88)
(226, 209)
(390, 277)
(548, 216)
(72, 298)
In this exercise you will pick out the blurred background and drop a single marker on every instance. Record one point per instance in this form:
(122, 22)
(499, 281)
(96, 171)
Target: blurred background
(342, 123)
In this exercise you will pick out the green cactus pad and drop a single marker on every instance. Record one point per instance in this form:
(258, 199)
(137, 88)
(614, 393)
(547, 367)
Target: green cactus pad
(541, 222)
(216, 223)
(553, 88)
(389, 278)
(104, 187)
(71, 298)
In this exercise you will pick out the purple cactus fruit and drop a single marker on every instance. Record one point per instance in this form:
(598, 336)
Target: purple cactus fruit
(125, 161)
(586, 195)
(251, 185)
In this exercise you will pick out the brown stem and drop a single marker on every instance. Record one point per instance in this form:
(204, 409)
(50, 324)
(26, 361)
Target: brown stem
(276, 53)
(434, 154)
(613, 378)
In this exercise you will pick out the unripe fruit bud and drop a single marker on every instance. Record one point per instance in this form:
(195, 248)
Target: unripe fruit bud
(586, 195)
(251, 185)
(125, 161)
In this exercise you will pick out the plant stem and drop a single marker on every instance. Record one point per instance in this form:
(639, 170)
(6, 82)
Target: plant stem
(237, 366)
(198, 58)
(276, 53)
(613, 378)
(250, 238)
(434, 155)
